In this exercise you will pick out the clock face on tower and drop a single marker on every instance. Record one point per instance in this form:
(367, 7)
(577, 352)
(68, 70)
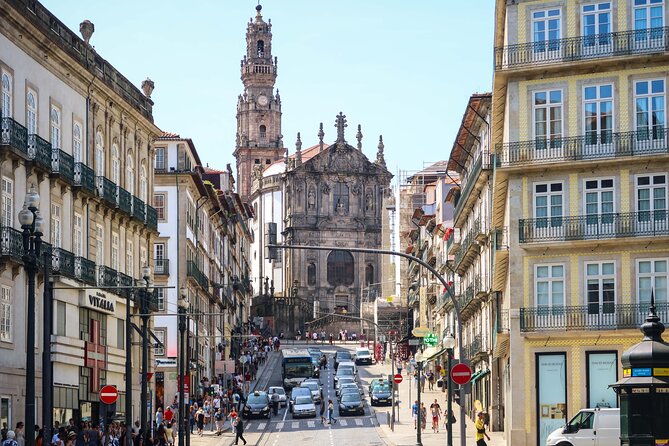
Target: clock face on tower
(262, 100)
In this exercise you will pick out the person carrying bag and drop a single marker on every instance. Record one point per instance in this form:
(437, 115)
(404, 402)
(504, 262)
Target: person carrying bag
(480, 431)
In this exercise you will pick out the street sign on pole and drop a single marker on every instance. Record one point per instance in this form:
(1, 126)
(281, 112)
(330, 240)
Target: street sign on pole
(397, 378)
(461, 374)
(430, 339)
(108, 394)
(414, 341)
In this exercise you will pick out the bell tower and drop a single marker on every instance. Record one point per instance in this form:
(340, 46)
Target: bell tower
(259, 141)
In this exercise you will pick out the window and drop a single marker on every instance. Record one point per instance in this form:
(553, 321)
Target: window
(160, 345)
(130, 175)
(129, 258)
(598, 114)
(77, 243)
(5, 410)
(143, 183)
(6, 95)
(648, 14)
(652, 274)
(100, 245)
(99, 155)
(159, 205)
(263, 132)
(340, 268)
(55, 127)
(649, 101)
(549, 285)
(5, 314)
(31, 112)
(600, 287)
(76, 142)
(651, 193)
(340, 198)
(159, 251)
(115, 165)
(55, 226)
(599, 201)
(261, 48)
(120, 333)
(7, 202)
(61, 318)
(597, 24)
(142, 256)
(548, 117)
(86, 316)
(369, 274)
(546, 27)
(548, 204)
(311, 274)
(160, 297)
(160, 158)
(114, 251)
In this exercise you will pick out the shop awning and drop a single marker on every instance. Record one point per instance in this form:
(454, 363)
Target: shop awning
(478, 375)
(436, 354)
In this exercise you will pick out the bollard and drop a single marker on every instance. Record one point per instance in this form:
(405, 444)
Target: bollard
(388, 417)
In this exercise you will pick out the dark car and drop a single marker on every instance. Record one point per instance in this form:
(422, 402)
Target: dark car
(351, 403)
(380, 394)
(257, 405)
(341, 357)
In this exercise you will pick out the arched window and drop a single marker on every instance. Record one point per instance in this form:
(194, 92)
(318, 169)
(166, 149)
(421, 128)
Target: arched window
(116, 165)
(340, 199)
(55, 128)
(340, 268)
(31, 104)
(6, 96)
(76, 142)
(261, 48)
(311, 274)
(99, 155)
(143, 183)
(369, 274)
(263, 132)
(130, 175)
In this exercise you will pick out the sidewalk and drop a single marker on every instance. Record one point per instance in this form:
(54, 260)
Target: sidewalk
(405, 434)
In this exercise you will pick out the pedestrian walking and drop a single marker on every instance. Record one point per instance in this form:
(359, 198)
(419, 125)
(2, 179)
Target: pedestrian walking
(199, 419)
(331, 417)
(449, 419)
(240, 431)
(322, 412)
(275, 402)
(218, 417)
(435, 411)
(423, 416)
(10, 441)
(414, 413)
(481, 434)
(233, 420)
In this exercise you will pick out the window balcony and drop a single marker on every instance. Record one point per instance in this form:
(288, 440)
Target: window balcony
(84, 178)
(138, 209)
(125, 281)
(84, 270)
(39, 152)
(107, 277)
(607, 316)
(11, 243)
(123, 200)
(594, 227)
(106, 190)
(62, 263)
(573, 49)
(161, 267)
(474, 348)
(62, 164)
(502, 323)
(582, 148)
(483, 162)
(14, 135)
(151, 217)
(194, 272)
(468, 249)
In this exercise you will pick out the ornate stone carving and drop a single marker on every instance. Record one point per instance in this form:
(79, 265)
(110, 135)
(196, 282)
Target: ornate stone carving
(369, 200)
(311, 198)
(325, 188)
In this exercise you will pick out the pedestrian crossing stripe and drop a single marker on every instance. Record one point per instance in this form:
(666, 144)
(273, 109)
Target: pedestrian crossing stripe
(311, 424)
(358, 421)
(279, 425)
(261, 426)
(343, 422)
(296, 424)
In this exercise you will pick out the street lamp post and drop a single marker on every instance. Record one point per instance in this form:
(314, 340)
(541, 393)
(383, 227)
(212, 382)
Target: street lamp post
(449, 343)
(47, 369)
(31, 223)
(183, 306)
(144, 305)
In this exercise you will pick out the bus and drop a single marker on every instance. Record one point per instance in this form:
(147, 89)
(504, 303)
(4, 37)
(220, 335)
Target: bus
(296, 366)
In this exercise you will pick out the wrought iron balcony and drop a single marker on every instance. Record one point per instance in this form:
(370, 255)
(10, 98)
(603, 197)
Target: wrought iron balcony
(151, 217)
(194, 272)
(616, 44)
(161, 267)
(84, 177)
(123, 200)
(62, 263)
(84, 270)
(39, 151)
(107, 277)
(594, 227)
(106, 190)
(138, 209)
(484, 161)
(579, 148)
(13, 134)
(11, 243)
(474, 348)
(62, 164)
(125, 281)
(607, 316)
(467, 247)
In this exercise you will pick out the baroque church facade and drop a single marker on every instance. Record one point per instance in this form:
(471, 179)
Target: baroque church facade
(325, 195)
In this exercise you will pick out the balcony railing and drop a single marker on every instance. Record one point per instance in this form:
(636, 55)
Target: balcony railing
(503, 321)
(473, 348)
(107, 277)
(624, 43)
(161, 267)
(194, 272)
(62, 263)
(84, 177)
(106, 190)
(596, 226)
(125, 281)
(84, 270)
(151, 217)
(483, 162)
(577, 148)
(607, 316)
(138, 209)
(62, 164)
(11, 243)
(500, 239)
(467, 243)
(14, 135)
(39, 151)
(123, 200)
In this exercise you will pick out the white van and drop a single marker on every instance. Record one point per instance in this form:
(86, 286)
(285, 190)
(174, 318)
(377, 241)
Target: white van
(349, 364)
(590, 427)
(363, 356)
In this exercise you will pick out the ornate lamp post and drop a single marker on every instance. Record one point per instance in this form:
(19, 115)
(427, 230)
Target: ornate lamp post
(32, 225)
(183, 307)
(449, 343)
(144, 310)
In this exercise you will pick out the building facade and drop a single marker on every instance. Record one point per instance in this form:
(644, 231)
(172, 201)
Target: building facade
(579, 133)
(82, 135)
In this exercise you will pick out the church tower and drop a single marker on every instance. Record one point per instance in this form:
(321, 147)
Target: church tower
(259, 140)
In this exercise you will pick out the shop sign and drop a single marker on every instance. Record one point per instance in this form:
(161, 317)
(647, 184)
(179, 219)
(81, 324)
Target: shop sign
(661, 371)
(642, 372)
(98, 301)
(167, 362)
(627, 373)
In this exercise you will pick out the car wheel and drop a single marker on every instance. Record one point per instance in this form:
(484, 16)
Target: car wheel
(564, 444)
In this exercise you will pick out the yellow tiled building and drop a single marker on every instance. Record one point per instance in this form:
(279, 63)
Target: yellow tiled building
(582, 157)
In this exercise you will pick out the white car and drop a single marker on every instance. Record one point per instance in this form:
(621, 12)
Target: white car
(283, 398)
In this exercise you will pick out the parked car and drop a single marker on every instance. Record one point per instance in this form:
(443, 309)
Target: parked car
(592, 427)
(351, 403)
(304, 407)
(316, 390)
(283, 398)
(257, 404)
(380, 394)
(363, 356)
(297, 392)
(341, 357)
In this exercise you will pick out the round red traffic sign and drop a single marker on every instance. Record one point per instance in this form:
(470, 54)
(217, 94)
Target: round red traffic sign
(461, 374)
(397, 378)
(108, 394)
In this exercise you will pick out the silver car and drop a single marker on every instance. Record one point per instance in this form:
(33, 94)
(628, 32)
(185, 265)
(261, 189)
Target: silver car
(304, 407)
(316, 391)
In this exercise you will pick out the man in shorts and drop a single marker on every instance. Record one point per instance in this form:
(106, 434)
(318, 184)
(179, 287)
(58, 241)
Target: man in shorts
(435, 411)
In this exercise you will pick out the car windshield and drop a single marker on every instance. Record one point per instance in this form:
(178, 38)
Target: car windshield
(381, 388)
(297, 370)
(257, 399)
(303, 400)
(343, 356)
(350, 398)
(345, 371)
(310, 385)
(278, 390)
(345, 380)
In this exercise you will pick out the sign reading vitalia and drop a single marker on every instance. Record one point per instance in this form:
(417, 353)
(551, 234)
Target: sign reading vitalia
(552, 393)
(98, 301)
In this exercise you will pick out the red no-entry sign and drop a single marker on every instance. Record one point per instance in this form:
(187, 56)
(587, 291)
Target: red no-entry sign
(397, 378)
(461, 374)
(108, 394)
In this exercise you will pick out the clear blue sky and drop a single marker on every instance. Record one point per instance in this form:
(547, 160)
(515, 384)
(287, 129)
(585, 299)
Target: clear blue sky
(404, 69)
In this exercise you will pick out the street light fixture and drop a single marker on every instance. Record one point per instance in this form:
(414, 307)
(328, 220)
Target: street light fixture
(449, 343)
(144, 309)
(182, 304)
(32, 225)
